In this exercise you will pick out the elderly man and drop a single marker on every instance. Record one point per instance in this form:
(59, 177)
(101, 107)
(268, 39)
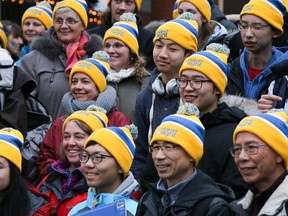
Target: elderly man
(260, 153)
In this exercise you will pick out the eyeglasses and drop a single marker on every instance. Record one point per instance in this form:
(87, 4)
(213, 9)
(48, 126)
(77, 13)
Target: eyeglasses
(250, 149)
(114, 46)
(68, 21)
(3, 167)
(95, 158)
(167, 148)
(253, 26)
(194, 83)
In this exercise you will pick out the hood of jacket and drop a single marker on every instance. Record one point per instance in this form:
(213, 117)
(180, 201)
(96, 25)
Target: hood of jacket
(48, 44)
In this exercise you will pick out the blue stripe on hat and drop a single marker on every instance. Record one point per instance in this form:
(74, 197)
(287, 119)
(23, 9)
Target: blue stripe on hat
(187, 25)
(100, 66)
(217, 60)
(83, 3)
(100, 119)
(276, 122)
(13, 140)
(278, 6)
(46, 10)
(128, 27)
(119, 132)
(188, 123)
(211, 3)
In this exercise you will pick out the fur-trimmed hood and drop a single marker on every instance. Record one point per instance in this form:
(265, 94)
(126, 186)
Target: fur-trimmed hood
(48, 44)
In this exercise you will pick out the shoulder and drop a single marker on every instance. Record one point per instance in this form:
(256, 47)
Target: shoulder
(82, 205)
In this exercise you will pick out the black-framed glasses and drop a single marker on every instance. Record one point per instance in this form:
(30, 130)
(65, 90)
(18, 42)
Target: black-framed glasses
(250, 149)
(114, 46)
(166, 148)
(68, 21)
(194, 83)
(253, 26)
(95, 158)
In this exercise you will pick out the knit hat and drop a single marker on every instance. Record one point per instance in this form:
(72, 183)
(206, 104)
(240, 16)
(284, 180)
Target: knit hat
(212, 63)
(96, 68)
(125, 30)
(137, 2)
(94, 119)
(41, 12)
(11, 141)
(3, 38)
(183, 30)
(271, 127)
(184, 129)
(204, 7)
(272, 11)
(175, 13)
(118, 141)
(285, 2)
(79, 6)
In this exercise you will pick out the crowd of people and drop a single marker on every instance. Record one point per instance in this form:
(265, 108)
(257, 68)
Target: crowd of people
(182, 117)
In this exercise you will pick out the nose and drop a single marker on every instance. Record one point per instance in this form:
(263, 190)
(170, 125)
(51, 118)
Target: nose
(160, 154)
(163, 53)
(243, 155)
(78, 85)
(122, 5)
(249, 32)
(89, 163)
(71, 141)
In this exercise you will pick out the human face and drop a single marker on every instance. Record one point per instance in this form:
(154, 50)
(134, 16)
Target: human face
(174, 166)
(105, 176)
(32, 28)
(257, 41)
(205, 98)
(14, 44)
(118, 7)
(73, 143)
(83, 88)
(4, 173)
(68, 33)
(261, 169)
(189, 7)
(119, 54)
(168, 57)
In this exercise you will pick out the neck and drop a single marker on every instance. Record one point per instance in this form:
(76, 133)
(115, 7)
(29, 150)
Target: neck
(167, 77)
(109, 188)
(259, 60)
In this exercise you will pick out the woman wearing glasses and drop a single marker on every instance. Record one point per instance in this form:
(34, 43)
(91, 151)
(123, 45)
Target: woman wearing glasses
(127, 75)
(65, 184)
(106, 168)
(57, 50)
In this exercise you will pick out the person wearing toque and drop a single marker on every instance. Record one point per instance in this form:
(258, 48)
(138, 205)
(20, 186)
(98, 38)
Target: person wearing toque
(55, 52)
(260, 153)
(177, 146)
(106, 162)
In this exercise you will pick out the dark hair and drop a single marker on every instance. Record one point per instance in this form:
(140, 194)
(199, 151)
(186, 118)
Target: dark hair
(138, 63)
(205, 33)
(16, 200)
(12, 28)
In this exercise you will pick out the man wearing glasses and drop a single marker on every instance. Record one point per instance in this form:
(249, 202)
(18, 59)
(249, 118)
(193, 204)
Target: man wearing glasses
(176, 148)
(202, 81)
(260, 153)
(260, 22)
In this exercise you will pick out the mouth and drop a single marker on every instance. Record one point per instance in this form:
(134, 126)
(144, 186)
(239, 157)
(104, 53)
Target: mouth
(73, 152)
(190, 98)
(247, 170)
(162, 63)
(162, 167)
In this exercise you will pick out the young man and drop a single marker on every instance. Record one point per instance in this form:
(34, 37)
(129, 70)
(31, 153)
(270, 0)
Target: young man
(260, 22)
(260, 153)
(115, 9)
(174, 41)
(177, 147)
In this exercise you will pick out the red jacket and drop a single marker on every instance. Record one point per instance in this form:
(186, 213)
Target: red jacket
(49, 150)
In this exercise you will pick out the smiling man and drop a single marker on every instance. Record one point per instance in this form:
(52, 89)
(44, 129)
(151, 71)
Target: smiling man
(260, 153)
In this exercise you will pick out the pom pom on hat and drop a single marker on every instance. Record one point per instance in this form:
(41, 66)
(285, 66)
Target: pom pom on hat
(96, 68)
(271, 127)
(183, 30)
(272, 11)
(11, 141)
(184, 129)
(125, 30)
(3, 38)
(204, 6)
(79, 6)
(41, 12)
(94, 118)
(212, 63)
(118, 141)
(137, 2)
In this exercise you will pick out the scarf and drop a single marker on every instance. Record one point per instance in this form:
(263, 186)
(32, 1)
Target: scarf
(75, 51)
(117, 77)
(105, 100)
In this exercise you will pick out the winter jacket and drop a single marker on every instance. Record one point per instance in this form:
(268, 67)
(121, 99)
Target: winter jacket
(239, 81)
(124, 190)
(195, 191)
(276, 205)
(145, 38)
(163, 105)
(46, 64)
